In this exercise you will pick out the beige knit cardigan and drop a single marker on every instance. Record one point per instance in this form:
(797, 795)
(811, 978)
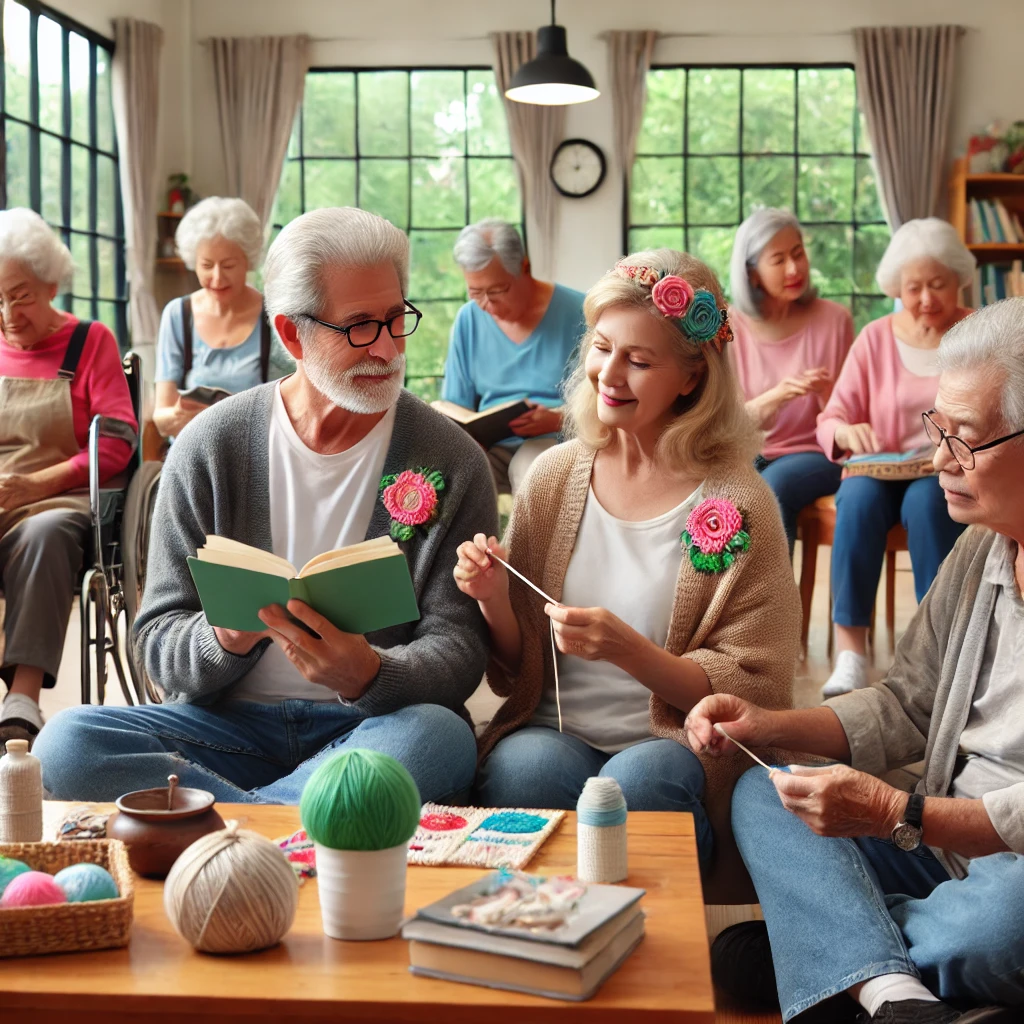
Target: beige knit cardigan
(742, 626)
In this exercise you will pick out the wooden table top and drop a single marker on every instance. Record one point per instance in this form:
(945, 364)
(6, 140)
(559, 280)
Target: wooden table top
(309, 976)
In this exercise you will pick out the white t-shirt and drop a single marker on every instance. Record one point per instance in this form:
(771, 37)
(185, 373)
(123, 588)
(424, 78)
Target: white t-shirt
(317, 503)
(631, 569)
(921, 362)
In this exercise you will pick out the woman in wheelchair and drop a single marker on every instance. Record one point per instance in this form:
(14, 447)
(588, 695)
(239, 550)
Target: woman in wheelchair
(56, 373)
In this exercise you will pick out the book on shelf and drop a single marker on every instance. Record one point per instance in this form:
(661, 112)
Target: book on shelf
(489, 426)
(359, 589)
(989, 220)
(996, 281)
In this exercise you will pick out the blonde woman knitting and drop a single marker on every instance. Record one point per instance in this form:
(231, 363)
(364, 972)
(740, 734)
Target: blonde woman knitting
(663, 547)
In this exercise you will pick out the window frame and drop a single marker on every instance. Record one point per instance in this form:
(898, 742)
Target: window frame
(64, 137)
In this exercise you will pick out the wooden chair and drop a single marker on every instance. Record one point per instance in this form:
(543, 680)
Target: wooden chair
(816, 526)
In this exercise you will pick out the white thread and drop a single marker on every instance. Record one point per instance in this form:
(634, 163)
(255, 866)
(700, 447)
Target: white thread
(601, 850)
(721, 732)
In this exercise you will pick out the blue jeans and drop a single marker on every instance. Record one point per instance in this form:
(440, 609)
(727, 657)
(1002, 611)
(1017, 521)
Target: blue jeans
(245, 752)
(866, 510)
(798, 480)
(540, 767)
(841, 911)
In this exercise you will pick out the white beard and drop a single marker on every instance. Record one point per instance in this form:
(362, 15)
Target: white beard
(365, 398)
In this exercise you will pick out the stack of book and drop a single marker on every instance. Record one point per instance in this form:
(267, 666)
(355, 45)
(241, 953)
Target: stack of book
(995, 281)
(989, 220)
(567, 958)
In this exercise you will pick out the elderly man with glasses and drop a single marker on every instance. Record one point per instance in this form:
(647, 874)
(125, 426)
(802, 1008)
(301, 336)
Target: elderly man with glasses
(298, 468)
(912, 904)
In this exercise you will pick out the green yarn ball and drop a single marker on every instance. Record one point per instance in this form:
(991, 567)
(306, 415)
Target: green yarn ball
(360, 800)
(9, 870)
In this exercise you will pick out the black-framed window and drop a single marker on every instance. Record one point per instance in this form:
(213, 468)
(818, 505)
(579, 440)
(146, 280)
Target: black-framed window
(60, 149)
(718, 141)
(428, 149)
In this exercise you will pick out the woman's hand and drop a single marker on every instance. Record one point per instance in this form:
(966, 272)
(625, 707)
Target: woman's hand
(239, 641)
(857, 439)
(744, 721)
(594, 634)
(478, 575)
(538, 421)
(766, 407)
(20, 489)
(172, 413)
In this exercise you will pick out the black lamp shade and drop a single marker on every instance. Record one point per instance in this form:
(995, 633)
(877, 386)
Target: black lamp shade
(552, 78)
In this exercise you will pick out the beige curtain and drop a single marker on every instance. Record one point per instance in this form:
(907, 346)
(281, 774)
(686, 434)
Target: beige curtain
(630, 59)
(534, 134)
(135, 77)
(905, 83)
(259, 83)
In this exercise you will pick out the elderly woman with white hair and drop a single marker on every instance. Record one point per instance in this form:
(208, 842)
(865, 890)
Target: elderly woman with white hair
(218, 337)
(56, 373)
(890, 378)
(790, 347)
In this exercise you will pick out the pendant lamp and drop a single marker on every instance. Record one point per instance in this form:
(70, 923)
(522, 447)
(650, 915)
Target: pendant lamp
(552, 78)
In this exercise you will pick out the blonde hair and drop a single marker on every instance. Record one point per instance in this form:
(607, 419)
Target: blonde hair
(711, 430)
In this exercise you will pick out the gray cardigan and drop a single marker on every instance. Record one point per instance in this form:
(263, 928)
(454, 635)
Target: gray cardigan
(921, 707)
(217, 480)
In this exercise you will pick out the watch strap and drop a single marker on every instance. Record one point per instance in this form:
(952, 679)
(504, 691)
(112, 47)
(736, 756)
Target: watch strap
(914, 813)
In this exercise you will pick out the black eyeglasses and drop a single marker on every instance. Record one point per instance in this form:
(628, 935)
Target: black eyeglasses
(958, 447)
(366, 332)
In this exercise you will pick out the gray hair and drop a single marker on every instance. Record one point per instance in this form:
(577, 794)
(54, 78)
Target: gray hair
(338, 236)
(27, 239)
(752, 237)
(480, 243)
(218, 217)
(993, 337)
(928, 238)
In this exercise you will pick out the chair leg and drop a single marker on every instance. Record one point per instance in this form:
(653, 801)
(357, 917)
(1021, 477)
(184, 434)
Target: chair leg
(85, 621)
(890, 598)
(808, 569)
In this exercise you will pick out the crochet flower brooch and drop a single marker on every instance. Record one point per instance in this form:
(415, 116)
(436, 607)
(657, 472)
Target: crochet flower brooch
(715, 534)
(411, 500)
(695, 312)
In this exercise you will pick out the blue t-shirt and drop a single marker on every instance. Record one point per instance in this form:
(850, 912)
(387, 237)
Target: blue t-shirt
(485, 367)
(233, 369)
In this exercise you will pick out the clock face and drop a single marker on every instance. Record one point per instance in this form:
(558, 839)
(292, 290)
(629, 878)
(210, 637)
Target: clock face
(577, 168)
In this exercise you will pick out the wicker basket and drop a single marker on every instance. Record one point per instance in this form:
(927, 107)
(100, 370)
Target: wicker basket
(69, 927)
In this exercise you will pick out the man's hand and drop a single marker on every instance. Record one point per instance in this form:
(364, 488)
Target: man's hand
(20, 489)
(838, 801)
(343, 661)
(238, 641)
(857, 439)
(742, 720)
(539, 420)
(594, 634)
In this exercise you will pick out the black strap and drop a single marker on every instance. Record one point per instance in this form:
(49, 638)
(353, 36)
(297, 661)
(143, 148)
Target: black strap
(264, 346)
(186, 340)
(69, 367)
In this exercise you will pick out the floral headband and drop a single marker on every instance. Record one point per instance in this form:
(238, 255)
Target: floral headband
(695, 313)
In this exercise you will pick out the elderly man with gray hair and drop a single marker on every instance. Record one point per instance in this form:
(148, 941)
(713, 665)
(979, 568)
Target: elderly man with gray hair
(297, 468)
(512, 340)
(914, 905)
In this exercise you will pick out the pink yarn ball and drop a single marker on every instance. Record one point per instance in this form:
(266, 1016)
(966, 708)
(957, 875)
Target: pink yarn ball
(32, 889)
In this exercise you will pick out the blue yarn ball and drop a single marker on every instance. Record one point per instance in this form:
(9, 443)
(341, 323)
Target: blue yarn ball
(9, 870)
(83, 883)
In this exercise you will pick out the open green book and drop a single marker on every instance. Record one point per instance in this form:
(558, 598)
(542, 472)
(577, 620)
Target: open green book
(361, 588)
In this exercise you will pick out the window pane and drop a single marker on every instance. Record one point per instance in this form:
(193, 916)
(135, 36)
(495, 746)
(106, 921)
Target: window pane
(384, 189)
(869, 206)
(713, 110)
(485, 116)
(426, 350)
(825, 188)
(869, 245)
(330, 183)
(657, 190)
(79, 74)
(713, 190)
(16, 61)
(17, 164)
(662, 128)
(108, 315)
(769, 107)
(714, 247)
(288, 201)
(866, 309)
(82, 308)
(827, 102)
(434, 274)
(863, 139)
(438, 193)
(49, 44)
(50, 178)
(493, 191)
(830, 249)
(84, 284)
(328, 112)
(80, 188)
(384, 113)
(107, 253)
(438, 113)
(427, 388)
(104, 109)
(655, 238)
(106, 195)
(768, 181)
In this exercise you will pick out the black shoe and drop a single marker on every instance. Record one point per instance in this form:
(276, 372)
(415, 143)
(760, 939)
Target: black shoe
(991, 1015)
(912, 1011)
(17, 729)
(741, 966)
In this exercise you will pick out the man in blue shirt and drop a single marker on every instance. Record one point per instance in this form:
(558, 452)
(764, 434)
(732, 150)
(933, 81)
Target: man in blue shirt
(514, 339)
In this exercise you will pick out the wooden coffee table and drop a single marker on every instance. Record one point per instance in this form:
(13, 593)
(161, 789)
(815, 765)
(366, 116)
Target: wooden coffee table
(159, 978)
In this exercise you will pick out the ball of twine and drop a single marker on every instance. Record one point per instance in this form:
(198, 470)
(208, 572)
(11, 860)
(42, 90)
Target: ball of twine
(231, 891)
(360, 800)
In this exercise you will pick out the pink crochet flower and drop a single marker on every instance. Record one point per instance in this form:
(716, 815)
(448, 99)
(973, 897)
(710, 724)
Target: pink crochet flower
(646, 276)
(672, 295)
(411, 499)
(712, 524)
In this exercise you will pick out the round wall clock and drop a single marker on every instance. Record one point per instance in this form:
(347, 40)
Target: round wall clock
(577, 168)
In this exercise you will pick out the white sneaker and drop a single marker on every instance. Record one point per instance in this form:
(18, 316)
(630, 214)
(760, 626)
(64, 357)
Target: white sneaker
(20, 719)
(850, 673)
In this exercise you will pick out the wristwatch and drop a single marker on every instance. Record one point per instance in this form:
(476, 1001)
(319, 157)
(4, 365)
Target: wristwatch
(908, 832)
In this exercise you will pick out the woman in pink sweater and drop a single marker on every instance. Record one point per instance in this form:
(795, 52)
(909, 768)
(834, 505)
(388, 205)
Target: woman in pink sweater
(56, 374)
(889, 380)
(790, 347)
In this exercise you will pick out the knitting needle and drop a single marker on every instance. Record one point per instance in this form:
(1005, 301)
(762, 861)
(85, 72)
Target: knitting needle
(515, 572)
(721, 732)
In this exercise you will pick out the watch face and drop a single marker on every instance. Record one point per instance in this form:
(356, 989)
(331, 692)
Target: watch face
(906, 837)
(578, 168)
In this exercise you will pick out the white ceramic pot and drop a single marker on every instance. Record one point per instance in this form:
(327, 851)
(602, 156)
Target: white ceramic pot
(362, 892)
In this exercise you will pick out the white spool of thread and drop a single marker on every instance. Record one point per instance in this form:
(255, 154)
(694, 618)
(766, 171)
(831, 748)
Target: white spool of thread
(601, 845)
(21, 795)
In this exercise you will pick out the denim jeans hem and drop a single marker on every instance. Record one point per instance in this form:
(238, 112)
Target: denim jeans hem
(875, 970)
